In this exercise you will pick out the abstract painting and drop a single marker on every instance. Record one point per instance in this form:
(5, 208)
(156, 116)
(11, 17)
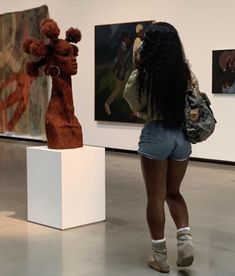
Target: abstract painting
(23, 99)
(115, 45)
(223, 71)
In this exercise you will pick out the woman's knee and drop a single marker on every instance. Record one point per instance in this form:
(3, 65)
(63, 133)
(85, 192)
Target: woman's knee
(173, 196)
(156, 200)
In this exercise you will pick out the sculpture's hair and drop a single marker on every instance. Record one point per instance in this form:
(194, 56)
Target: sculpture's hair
(44, 52)
(164, 73)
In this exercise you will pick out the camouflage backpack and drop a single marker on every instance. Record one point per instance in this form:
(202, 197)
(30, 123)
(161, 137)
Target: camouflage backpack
(199, 120)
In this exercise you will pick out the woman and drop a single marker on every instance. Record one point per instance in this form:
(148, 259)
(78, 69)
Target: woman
(161, 81)
(122, 63)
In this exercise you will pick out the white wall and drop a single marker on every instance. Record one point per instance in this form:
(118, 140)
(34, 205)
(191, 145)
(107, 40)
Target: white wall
(203, 25)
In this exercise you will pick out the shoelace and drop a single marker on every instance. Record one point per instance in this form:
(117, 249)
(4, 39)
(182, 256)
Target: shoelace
(185, 237)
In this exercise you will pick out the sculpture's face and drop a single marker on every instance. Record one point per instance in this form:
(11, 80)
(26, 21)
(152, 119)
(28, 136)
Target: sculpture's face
(65, 58)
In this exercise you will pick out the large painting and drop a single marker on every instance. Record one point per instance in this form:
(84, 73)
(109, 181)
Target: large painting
(23, 99)
(115, 45)
(223, 75)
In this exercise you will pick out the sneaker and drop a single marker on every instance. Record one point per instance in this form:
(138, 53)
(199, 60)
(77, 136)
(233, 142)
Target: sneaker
(185, 248)
(158, 260)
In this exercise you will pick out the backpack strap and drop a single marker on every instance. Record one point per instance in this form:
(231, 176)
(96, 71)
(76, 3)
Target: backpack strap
(193, 84)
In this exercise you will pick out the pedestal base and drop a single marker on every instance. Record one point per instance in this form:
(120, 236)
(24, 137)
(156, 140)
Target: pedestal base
(66, 188)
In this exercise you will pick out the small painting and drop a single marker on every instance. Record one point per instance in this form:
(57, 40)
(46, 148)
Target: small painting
(223, 72)
(115, 46)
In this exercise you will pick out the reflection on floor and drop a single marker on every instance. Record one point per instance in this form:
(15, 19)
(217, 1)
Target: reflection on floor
(120, 245)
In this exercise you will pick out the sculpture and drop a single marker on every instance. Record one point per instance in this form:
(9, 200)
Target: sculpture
(58, 59)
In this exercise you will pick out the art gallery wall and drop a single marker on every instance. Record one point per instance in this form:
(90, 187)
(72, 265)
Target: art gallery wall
(203, 26)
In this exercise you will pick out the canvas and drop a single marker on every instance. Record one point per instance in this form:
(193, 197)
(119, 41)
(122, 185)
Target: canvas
(23, 100)
(223, 72)
(115, 45)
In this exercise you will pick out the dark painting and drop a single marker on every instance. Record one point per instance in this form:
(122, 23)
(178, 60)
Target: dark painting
(223, 71)
(115, 45)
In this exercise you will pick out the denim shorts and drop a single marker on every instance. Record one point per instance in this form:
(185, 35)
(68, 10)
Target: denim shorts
(159, 143)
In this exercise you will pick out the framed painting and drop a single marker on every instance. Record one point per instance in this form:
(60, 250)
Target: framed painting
(115, 45)
(223, 72)
(23, 99)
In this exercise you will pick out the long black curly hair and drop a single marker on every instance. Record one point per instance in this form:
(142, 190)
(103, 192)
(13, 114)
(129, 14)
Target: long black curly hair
(163, 73)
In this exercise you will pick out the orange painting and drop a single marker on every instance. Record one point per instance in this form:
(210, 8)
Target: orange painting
(23, 99)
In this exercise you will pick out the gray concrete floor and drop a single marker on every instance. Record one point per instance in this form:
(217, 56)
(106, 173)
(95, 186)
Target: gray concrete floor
(120, 245)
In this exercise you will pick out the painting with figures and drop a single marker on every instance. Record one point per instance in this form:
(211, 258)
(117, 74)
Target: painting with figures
(115, 47)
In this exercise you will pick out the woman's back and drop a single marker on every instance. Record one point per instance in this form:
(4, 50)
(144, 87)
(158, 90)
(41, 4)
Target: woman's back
(164, 74)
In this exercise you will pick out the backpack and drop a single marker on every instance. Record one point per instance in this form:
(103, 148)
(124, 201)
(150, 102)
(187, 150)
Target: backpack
(199, 121)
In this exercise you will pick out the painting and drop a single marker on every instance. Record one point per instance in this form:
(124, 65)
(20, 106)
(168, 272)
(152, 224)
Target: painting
(223, 72)
(23, 99)
(115, 45)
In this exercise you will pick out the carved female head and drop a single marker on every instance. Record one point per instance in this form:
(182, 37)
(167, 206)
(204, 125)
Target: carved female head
(58, 56)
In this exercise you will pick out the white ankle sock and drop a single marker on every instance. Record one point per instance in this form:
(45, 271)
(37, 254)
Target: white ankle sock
(184, 228)
(158, 241)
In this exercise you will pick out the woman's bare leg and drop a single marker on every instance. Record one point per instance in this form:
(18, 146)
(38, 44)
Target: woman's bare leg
(155, 177)
(175, 201)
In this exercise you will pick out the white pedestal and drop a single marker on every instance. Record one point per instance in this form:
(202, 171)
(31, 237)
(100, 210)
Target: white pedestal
(66, 188)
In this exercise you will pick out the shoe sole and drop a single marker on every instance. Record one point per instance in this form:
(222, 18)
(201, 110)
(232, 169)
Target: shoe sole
(186, 262)
(153, 264)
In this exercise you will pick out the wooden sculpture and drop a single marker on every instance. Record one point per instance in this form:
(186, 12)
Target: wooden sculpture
(58, 59)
